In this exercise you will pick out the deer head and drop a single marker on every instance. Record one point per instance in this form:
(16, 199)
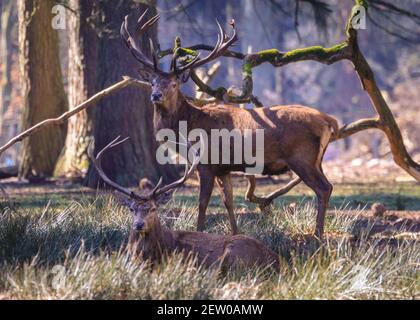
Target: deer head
(166, 85)
(142, 205)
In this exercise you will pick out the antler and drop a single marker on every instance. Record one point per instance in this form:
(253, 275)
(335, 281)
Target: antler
(187, 174)
(133, 46)
(222, 46)
(97, 163)
(156, 192)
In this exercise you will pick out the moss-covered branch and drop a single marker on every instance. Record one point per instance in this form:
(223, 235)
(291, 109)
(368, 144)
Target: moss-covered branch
(315, 53)
(198, 47)
(347, 50)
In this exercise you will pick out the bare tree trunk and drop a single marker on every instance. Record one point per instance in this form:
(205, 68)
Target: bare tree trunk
(82, 73)
(42, 88)
(7, 19)
(99, 58)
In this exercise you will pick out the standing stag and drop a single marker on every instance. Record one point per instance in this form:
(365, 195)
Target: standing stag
(295, 137)
(154, 241)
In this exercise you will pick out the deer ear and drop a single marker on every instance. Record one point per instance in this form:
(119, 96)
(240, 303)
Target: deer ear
(145, 185)
(164, 198)
(146, 75)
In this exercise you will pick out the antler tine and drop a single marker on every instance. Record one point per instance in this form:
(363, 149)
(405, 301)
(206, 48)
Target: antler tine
(223, 34)
(157, 186)
(131, 43)
(158, 190)
(226, 44)
(98, 166)
(222, 45)
(154, 55)
(187, 66)
(151, 22)
(140, 19)
(112, 144)
(188, 172)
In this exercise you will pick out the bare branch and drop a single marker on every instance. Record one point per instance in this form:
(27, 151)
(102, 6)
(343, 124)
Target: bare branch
(265, 201)
(378, 4)
(126, 82)
(357, 126)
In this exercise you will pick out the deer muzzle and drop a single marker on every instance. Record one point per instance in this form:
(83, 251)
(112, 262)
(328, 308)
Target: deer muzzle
(138, 226)
(156, 97)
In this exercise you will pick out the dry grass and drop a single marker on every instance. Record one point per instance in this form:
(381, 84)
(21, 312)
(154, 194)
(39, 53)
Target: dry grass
(75, 252)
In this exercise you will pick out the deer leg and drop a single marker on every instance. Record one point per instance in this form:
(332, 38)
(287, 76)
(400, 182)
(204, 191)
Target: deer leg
(315, 179)
(226, 192)
(312, 174)
(323, 192)
(206, 189)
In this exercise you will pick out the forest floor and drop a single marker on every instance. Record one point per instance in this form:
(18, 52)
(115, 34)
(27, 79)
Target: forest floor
(63, 241)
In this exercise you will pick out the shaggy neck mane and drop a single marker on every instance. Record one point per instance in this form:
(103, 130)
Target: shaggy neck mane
(164, 119)
(157, 239)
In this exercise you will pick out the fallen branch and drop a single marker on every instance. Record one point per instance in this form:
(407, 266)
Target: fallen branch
(126, 82)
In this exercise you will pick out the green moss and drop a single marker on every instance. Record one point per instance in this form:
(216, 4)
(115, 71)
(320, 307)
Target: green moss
(247, 69)
(187, 52)
(318, 51)
(363, 3)
(268, 55)
(177, 43)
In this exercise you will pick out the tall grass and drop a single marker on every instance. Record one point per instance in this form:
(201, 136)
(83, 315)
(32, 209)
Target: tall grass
(78, 253)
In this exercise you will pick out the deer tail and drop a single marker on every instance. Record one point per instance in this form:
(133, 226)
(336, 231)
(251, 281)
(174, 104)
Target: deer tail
(333, 124)
(330, 132)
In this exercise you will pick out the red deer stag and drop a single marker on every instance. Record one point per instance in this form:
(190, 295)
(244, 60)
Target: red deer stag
(295, 137)
(153, 240)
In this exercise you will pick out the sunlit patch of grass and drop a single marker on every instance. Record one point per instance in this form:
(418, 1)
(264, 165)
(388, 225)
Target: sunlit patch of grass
(115, 275)
(77, 251)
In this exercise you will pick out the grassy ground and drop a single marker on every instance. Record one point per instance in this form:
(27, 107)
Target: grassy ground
(66, 244)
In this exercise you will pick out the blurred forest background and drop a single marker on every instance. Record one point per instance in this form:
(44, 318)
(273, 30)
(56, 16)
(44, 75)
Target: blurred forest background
(44, 71)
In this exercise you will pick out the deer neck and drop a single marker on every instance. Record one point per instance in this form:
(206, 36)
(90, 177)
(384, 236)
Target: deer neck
(158, 241)
(165, 119)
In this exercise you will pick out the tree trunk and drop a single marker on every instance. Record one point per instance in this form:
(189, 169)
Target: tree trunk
(98, 59)
(82, 72)
(42, 88)
(7, 19)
